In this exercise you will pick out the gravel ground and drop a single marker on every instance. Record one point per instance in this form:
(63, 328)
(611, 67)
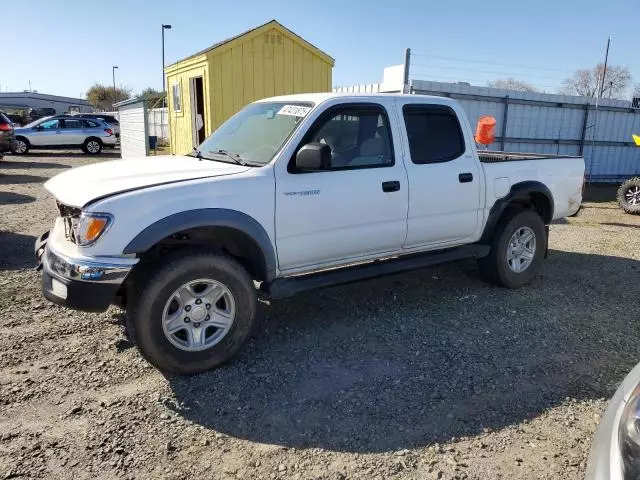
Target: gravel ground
(429, 374)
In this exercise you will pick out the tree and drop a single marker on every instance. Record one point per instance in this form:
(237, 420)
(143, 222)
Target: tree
(152, 96)
(587, 82)
(103, 97)
(636, 91)
(512, 84)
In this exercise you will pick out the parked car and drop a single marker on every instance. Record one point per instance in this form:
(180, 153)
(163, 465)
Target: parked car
(615, 448)
(110, 119)
(7, 136)
(64, 131)
(294, 192)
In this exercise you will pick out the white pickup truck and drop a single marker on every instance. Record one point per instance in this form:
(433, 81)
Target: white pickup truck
(293, 193)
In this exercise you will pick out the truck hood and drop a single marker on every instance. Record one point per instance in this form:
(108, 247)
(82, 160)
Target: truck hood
(81, 185)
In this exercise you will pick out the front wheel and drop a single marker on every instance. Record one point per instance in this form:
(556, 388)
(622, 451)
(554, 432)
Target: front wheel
(20, 146)
(517, 250)
(92, 146)
(629, 195)
(192, 313)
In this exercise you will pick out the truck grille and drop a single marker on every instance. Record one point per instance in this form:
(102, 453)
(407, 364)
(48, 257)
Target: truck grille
(70, 217)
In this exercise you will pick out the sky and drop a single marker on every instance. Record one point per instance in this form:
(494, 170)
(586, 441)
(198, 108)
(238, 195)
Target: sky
(65, 46)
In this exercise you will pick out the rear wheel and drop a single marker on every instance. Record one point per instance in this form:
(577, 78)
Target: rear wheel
(192, 313)
(629, 195)
(517, 250)
(21, 146)
(92, 146)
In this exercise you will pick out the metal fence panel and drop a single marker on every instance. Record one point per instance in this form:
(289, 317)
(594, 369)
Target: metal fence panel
(554, 124)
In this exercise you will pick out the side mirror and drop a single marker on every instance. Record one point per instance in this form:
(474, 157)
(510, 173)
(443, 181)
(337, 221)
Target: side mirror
(313, 156)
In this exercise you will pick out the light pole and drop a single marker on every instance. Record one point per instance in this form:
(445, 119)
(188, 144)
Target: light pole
(113, 74)
(164, 27)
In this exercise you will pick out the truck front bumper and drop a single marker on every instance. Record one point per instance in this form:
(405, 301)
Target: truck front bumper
(87, 284)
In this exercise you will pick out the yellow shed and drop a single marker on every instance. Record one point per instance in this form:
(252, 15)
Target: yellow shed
(208, 87)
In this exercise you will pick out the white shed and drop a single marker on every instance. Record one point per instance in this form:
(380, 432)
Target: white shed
(134, 129)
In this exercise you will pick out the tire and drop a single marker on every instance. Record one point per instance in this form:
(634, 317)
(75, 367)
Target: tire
(629, 196)
(21, 146)
(92, 146)
(152, 299)
(497, 268)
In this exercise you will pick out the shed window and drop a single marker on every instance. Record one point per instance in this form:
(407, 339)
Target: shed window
(177, 97)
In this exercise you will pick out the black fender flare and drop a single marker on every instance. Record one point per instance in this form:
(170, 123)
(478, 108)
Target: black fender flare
(518, 191)
(206, 217)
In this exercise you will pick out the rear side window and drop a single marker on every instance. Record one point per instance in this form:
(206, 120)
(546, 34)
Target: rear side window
(71, 123)
(434, 133)
(89, 124)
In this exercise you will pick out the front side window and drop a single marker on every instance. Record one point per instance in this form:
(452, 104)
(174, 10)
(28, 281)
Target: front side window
(434, 133)
(359, 136)
(177, 98)
(50, 124)
(256, 133)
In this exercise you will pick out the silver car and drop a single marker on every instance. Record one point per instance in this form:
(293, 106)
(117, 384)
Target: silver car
(615, 449)
(65, 131)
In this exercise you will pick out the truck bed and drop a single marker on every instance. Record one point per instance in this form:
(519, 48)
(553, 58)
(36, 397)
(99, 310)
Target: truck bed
(488, 156)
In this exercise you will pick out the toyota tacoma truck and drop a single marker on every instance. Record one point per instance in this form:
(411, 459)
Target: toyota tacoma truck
(293, 193)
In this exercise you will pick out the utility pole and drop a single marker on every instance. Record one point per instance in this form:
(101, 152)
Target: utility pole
(164, 27)
(407, 65)
(604, 70)
(113, 73)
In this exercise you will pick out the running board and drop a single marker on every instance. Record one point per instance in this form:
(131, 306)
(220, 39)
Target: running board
(289, 286)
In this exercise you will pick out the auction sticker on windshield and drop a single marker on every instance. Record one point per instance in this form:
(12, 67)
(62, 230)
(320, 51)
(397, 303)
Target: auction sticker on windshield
(294, 110)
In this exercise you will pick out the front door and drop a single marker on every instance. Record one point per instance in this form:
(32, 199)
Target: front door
(444, 183)
(48, 133)
(357, 207)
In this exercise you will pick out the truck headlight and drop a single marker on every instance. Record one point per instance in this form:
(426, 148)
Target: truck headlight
(91, 226)
(629, 435)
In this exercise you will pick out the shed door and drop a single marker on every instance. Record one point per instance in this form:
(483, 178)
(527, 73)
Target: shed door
(133, 130)
(197, 111)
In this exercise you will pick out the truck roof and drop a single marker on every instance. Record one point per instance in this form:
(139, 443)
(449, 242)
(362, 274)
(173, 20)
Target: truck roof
(321, 97)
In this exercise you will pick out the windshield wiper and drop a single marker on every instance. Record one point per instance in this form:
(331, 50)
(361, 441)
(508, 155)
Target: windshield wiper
(233, 156)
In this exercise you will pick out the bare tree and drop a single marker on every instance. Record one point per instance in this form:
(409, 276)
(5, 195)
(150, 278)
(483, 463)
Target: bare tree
(587, 82)
(512, 84)
(636, 91)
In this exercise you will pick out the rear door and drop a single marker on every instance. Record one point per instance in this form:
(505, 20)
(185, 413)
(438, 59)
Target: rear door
(444, 177)
(73, 131)
(357, 207)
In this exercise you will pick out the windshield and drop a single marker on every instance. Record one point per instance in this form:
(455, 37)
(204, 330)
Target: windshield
(36, 122)
(256, 132)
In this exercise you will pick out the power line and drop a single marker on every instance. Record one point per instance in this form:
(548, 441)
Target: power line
(430, 77)
(446, 67)
(491, 63)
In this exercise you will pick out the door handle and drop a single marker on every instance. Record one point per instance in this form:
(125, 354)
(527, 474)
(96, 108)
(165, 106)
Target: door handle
(392, 186)
(465, 177)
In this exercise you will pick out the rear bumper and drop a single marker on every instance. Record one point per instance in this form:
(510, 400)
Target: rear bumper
(110, 140)
(83, 284)
(6, 144)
